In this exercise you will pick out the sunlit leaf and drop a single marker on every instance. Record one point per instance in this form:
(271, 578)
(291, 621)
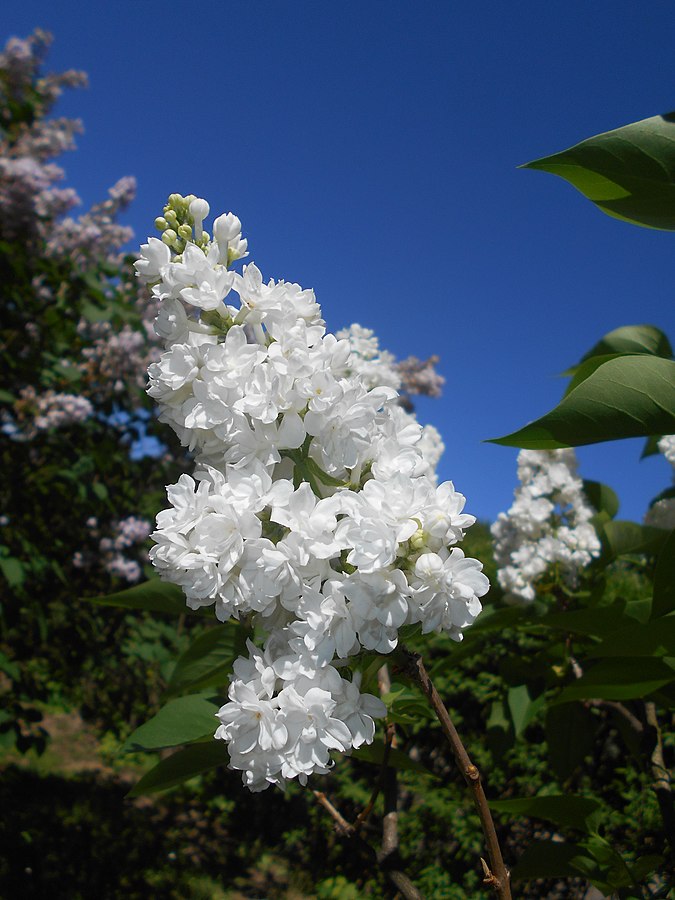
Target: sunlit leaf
(153, 595)
(627, 396)
(629, 172)
(180, 721)
(181, 767)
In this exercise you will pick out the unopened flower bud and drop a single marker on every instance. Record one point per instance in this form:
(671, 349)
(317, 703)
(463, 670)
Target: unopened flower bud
(199, 210)
(169, 237)
(185, 232)
(161, 224)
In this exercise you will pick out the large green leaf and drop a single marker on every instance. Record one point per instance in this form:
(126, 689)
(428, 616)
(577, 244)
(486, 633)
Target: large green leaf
(554, 859)
(596, 621)
(181, 766)
(664, 579)
(619, 678)
(570, 736)
(153, 595)
(181, 721)
(208, 660)
(655, 638)
(626, 396)
(629, 173)
(565, 810)
(632, 339)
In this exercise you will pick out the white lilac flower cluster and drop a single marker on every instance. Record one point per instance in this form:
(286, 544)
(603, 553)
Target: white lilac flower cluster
(548, 525)
(661, 513)
(375, 367)
(312, 510)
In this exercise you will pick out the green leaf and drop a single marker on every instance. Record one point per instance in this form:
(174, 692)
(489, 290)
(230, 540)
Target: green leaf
(100, 490)
(499, 729)
(655, 638)
(12, 570)
(570, 736)
(208, 660)
(651, 447)
(565, 810)
(632, 339)
(620, 538)
(593, 622)
(601, 497)
(664, 578)
(644, 866)
(153, 595)
(585, 369)
(619, 678)
(522, 708)
(553, 859)
(629, 172)
(627, 396)
(397, 759)
(181, 766)
(181, 721)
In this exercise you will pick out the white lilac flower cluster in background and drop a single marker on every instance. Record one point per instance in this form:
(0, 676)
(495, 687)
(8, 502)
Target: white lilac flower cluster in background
(548, 526)
(313, 510)
(112, 552)
(34, 413)
(661, 514)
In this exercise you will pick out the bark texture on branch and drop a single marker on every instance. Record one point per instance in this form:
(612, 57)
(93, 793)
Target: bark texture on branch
(497, 876)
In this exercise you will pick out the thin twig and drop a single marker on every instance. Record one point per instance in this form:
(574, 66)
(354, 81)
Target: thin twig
(622, 710)
(342, 824)
(399, 879)
(497, 876)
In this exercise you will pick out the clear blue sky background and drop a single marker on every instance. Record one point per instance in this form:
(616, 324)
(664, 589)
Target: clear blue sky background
(370, 149)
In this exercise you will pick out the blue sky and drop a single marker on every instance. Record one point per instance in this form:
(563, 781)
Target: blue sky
(371, 151)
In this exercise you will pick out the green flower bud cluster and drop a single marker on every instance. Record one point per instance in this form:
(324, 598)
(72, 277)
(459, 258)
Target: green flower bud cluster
(177, 224)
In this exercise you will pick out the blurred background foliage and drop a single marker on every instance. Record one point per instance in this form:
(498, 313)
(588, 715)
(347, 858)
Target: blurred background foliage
(82, 476)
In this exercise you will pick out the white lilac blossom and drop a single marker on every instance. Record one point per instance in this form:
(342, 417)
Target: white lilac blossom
(548, 525)
(313, 510)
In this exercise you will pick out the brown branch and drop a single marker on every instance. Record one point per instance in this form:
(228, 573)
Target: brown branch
(661, 776)
(622, 710)
(399, 879)
(497, 876)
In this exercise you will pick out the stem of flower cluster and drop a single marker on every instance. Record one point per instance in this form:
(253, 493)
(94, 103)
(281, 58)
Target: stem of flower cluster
(497, 876)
